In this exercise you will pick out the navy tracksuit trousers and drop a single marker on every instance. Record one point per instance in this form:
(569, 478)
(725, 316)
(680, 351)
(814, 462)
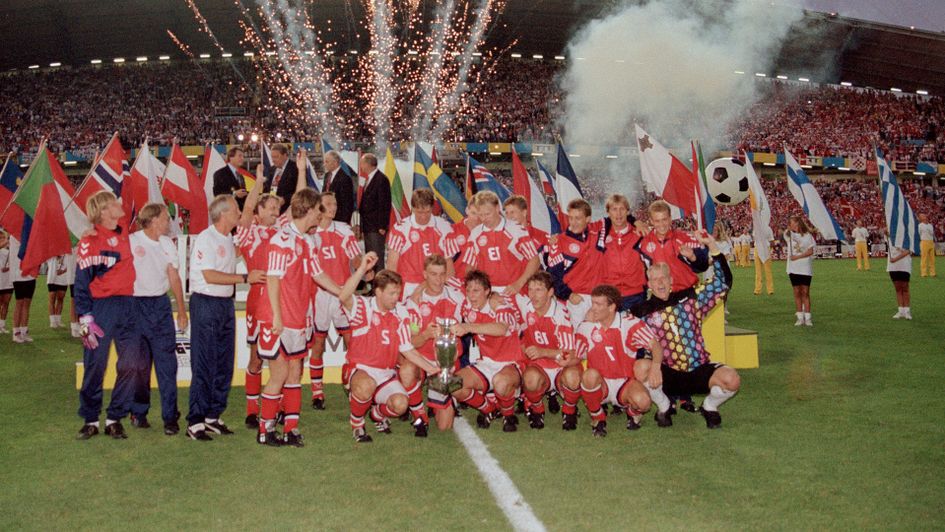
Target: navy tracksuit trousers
(212, 344)
(158, 335)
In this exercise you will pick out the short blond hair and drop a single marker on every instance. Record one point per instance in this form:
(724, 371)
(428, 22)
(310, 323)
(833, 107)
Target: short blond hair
(517, 200)
(485, 197)
(659, 206)
(96, 204)
(659, 267)
(615, 199)
(149, 212)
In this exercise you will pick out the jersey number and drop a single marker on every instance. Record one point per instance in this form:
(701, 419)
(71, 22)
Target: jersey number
(426, 249)
(385, 337)
(610, 352)
(328, 253)
(493, 253)
(541, 338)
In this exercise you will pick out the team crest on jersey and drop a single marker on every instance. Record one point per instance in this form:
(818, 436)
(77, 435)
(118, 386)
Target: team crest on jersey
(482, 240)
(472, 315)
(597, 336)
(414, 236)
(425, 310)
(609, 239)
(298, 249)
(221, 251)
(199, 255)
(113, 241)
(574, 248)
(460, 240)
(650, 247)
(376, 320)
(139, 251)
(531, 318)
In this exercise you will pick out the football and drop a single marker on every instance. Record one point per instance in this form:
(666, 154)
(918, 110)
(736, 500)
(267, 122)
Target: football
(727, 181)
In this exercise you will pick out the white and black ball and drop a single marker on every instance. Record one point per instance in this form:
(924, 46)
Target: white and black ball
(727, 180)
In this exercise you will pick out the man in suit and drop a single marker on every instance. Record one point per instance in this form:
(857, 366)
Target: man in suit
(284, 175)
(227, 180)
(374, 208)
(342, 185)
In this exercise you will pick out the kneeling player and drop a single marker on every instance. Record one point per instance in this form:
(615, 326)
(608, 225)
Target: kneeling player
(496, 325)
(434, 300)
(549, 348)
(380, 331)
(610, 342)
(676, 319)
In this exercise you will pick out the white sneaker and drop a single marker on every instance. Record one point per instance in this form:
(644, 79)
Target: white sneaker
(898, 315)
(907, 315)
(808, 322)
(17, 339)
(4, 330)
(26, 337)
(799, 322)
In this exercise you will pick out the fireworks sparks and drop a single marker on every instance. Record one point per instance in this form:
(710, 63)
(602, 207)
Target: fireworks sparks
(183, 47)
(417, 78)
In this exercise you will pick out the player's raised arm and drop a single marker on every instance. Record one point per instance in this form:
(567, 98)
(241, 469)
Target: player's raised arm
(347, 291)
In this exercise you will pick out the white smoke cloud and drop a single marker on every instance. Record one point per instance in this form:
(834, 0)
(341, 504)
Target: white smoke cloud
(669, 66)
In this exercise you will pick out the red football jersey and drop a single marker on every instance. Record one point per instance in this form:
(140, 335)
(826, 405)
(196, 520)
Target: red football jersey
(501, 253)
(667, 250)
(336, 249)
(377, 337)
(613, 350)
(446, 305)
(253, 243)
(577, 260)
(459, 240)
(623, 266)
(506, 348)
(553, 330)
(292, 259)
(415, 242)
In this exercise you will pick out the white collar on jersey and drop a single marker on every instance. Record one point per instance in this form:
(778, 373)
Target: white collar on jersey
(416, 224)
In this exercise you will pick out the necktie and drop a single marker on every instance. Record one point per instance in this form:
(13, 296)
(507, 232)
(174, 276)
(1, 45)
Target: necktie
(327, 181)
(277, 178)
(239, 179)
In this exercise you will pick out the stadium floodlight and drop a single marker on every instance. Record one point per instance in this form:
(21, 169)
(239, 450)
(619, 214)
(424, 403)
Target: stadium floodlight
(537, 56)
(33, 67)
(96, 61)
(327, 52)
(620, 60)
(559, 58)
(895, 89)
(922, 92)
(192, 156)
(279, 136)
(495, 153)
(309, 52)
(920, 174)
(761, 74)
(204, 56)
(516, 56)
(843, 169)
(537, 154)
(248, 54)
(69, 163)
(241, 137)
(270, 53)
(372, 52)
(768, 164)
(805, 80)
(413, 52)
(164, 57)
(579, 59)
(610, 157)
(477, 54)
(353, 52)
(226, 55)
(780, 76)
(118, 60)
(141, 58)
(846, 84)
(740, 72)
(54, 65)
(806, 166)
(434, 52)
(254, 138)
(574, 155)
(454, 54)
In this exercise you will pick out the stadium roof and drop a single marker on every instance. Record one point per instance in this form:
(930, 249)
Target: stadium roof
(74, 32)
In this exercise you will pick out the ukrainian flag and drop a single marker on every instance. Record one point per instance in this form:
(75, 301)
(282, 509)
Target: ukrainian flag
(427, 174)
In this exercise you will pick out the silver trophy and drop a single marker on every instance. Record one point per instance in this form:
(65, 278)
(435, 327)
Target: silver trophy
(445, 346)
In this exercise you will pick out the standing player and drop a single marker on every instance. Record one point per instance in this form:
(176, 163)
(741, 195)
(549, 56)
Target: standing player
(861, 237)
(417, 237)
(337, 249)
(516, 209)
(575, 261)
(676, 319)
(6, 280)
(610, 341)
(927, 246)
(899, 266)
(800, 266)
(24, 286)
(155, 261)
(676, 248)
(552, 365)
(103, 288)
(501, 249)
(258, 224)
(380, 333)
(432, 302)
(496, 326)
(285, 323)
(623, 266)
(60, 274)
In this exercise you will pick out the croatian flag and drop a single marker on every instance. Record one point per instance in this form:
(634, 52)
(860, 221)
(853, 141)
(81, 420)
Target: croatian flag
(806, 195)
(900, 218)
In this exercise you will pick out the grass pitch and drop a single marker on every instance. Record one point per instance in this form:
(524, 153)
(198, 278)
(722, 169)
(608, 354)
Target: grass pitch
(841, 427)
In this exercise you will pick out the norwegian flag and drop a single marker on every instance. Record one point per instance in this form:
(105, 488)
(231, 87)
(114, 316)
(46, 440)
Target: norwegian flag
(109, 172)
(483, 179)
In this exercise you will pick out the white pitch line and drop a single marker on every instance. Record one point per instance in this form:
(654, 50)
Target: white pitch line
(506, 495)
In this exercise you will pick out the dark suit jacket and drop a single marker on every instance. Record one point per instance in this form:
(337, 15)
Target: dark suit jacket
(225, 182)
(287, 183)
(343, 187)
(375, 204)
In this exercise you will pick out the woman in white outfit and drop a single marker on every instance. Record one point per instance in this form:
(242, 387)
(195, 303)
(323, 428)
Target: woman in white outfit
(899, 266)
(800, 266)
